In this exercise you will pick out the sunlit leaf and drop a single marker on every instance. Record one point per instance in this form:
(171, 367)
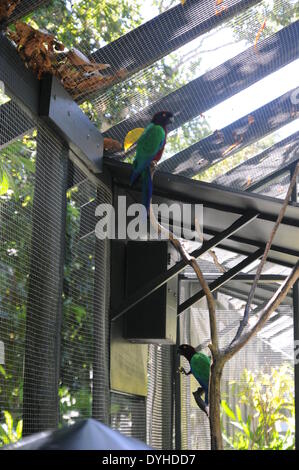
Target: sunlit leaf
(19, 429)
(239, 414)
(132, 137)
(228, 410)
(8, 421)
(4, 184)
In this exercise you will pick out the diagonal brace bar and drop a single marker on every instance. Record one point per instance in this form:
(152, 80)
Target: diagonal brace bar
(221, 280)
(165, 276)
(272, 177)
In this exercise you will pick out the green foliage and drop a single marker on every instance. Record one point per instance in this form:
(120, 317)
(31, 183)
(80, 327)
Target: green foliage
(277, 13)
(89, 25)
(268, 402)
(8, 432)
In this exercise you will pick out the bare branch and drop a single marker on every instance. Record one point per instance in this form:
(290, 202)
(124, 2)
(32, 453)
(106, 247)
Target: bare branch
(191, 261)
(211, 252)
(265, 313)
(281, 214)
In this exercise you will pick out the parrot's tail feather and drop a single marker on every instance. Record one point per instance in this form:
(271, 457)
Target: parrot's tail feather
(147, 188)
(134, 177)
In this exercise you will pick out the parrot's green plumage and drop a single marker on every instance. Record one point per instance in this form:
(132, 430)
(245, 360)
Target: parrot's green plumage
(200, 366)
(150, 147)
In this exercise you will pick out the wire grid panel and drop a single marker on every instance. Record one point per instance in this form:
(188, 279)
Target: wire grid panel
(84, 385)
(278, 188)
(32, 206)
(17, 168)
(156, 38)
(160, 397)
(128, 415)
(255, 169)
(20, 8)
(268, 350)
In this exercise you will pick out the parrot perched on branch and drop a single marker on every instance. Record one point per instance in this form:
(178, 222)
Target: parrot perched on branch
(150, 147)
(200, 365)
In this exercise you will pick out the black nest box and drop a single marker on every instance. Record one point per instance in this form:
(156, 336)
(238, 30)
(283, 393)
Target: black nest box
(154, 319)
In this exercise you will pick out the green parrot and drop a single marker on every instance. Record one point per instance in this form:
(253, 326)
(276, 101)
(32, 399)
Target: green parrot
(200, 366)
(150, 147)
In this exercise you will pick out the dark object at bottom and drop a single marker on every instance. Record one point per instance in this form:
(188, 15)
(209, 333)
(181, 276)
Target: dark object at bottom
(88, 434)
(200, 402)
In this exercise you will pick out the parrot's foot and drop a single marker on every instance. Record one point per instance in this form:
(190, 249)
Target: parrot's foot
(181, 370)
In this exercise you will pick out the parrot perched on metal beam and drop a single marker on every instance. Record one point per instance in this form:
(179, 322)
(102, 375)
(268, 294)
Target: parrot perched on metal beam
(200, 366)
(150, 147)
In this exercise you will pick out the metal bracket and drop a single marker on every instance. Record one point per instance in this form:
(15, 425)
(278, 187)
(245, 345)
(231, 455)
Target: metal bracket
(61, 111)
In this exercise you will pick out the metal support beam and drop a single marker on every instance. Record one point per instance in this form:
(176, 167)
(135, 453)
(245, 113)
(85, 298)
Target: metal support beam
(272, 178)
(296, 339)
(285, 264)
(44, 301)
(261, 167)
(294, 196)
(49, 100)
(210, 150)
(255, 243)
(218, 84)
(175, 188)
(20, 84)
(264, 278)
(165, 276)
(221, 280)
(60, 110)
(101, 343)
(155, 40)
(177, 384)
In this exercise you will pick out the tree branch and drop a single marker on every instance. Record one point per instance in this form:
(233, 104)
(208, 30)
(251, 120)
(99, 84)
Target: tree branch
(281, 214)
(211, 252)
(191, 261)
(264, 313)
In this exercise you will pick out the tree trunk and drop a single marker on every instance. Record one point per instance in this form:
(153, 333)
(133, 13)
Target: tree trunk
(215, 398)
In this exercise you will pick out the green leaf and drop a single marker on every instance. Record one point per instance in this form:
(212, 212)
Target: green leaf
(19, 429)
(4, 184)
(228, 411)
(2, 371)
(239, 414)
(8, 422)
(28, 164)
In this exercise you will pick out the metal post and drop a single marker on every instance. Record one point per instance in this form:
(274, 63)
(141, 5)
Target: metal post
(44, 302)
(294, 196)
(296, 328)
(296, 365)
(177, 382)
(100, 389)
